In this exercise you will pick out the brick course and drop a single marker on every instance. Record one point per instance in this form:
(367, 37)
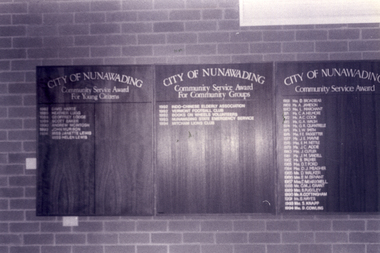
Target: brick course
(35, 33)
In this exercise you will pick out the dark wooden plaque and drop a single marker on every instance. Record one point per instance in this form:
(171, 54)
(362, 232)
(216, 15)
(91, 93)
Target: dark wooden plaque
(328, 128)
(95, 140)
(214, 138)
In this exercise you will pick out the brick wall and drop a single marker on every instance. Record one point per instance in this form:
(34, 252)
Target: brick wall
(151, 32)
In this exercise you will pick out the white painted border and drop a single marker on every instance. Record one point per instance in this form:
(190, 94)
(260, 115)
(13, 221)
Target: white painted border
(308, 12)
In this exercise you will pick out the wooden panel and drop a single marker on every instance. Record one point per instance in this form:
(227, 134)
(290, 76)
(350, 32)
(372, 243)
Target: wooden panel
(95, 140)
(208, 161)
(327, 142)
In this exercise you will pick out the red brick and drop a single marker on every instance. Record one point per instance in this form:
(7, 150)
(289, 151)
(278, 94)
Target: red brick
(22, 135)
(21, 112)
(137, 51)
(87, 249)
(11, 77)
(182, 38)
(5, 19)
(120, 40)
(205, 49)
(229, 25)
(316, 248)
(331, 46)
(91, 40)
(152, 249)
(151, 226)
(10, 239)
(264, 237)
(231, 238)
(74, 52)
(29, 146)
(344, 34)
(22, 180)
(13, 8)
(55, 249)
(23, 65)
(11, 215)
(168, 27)
(89, 226)
(27, 19)
(58, 41)
(12, 53)
(278, 35)
(134, 238)
(119, 249)
(184, 249)
(43, 7)
(22, 204)
(231, 14)
(40, 239)
(185, 15)
(6, 146)
(119, 226)
(137, 28)
(43, 53)
(372, 45)
(121, 16)
(70, 239)
(49, 30)
(244, 248)
(345, 56)
(160, 15)
(199, 26)
(233, 48)
(53, 227)
(166, 238)
(315, 225)
(4, 65)
(104, 28)
(169, 4)
(202, 4)
(246, 36)
(263, 48)
(198, 238)
(216, 226)
(74, 29)
(217, 248)
(184, 225)
(214, 37)
(105, 6)
(298, 47)
(74, 6)
(311, 35)
(146, 39)
(282, 248)
(11, 169)
(371, 33)
(282, 225)
(367, 237)
(102, 238)
(137, 5)
(105, 51)
(348, 225)
(58, 18)
(212, 14)
(373, 248)
(349, 248)
(331, 237)
(298, 237)
(24, 227)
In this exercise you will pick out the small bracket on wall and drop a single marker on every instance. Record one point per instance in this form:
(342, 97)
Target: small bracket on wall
(70, 221)
(31, 163)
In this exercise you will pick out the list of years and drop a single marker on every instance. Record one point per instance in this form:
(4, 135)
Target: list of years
(200, 114)
(63, 123)
(304, 178)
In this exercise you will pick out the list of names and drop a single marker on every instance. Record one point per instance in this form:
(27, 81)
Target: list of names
(303, 131)
(201, 114)
(63, 123)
